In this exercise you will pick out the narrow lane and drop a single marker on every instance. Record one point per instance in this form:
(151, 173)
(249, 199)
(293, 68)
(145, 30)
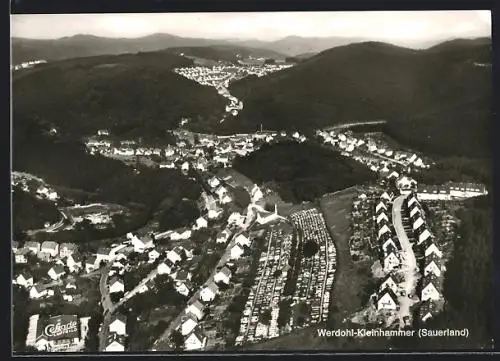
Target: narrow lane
(409, 262)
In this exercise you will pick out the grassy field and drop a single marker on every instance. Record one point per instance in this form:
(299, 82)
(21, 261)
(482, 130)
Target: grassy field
(351, 279)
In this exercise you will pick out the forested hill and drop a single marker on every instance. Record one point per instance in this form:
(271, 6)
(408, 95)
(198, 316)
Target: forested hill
(129, 93)
(437, 99)
(302, 171)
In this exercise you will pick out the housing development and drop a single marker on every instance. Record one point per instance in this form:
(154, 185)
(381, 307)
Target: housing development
(191, 238)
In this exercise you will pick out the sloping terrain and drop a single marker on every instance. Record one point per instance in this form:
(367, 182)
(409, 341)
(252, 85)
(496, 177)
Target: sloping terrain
(136, 93)
(437, 98)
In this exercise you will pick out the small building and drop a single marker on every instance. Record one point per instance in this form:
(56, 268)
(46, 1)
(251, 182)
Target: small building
(418, 223)
(424, 235)
(50, 247)
(432, 265)
(197, 309)
(103, 254)
(388, 282)
(38, 291)
(67, 249)
(195, 341)
(224, 275)
(118, 324)
(391, 261)
(175, 255)
(116, 285)
(153, 255)
(387, 300)
(115, 343)
(236, 252)
(165, 267)
(209, 292)
(56, 272)
(223, 236)
(429, 289)
(74, 262)
(32, 246)
(243, 240)
(431, 249)
(90, 263)
(188, 324)
(24, 279)
(21, 256)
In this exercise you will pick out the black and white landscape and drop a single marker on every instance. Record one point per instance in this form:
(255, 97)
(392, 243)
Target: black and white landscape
(254, 182)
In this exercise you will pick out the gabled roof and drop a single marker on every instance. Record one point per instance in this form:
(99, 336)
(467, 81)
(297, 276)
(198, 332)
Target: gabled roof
(225, 271)
(432, 258)
(77, 257)
(114, 280)
(69, 246)
(58, 269)
(197, 304)
(31, 244)
(197, 332)
(90, 259)
(390, 292)
(118, 317)
(430, 278)
(50, 245)
(212, 287)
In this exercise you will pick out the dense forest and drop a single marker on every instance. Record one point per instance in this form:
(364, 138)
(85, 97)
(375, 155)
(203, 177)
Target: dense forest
(179, 214)
(29, 212)
(136, 93)
(302, 171)
(436, 100)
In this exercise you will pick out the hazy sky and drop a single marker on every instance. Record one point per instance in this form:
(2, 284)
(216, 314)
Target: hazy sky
(397, 26)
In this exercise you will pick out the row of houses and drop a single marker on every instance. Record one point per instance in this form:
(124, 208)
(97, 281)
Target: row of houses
(431, 262)
(117, 334)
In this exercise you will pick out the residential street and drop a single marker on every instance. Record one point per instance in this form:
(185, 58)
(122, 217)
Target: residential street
(408, 260)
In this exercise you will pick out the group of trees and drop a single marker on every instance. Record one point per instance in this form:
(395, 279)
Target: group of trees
(29, 212)
(180, 214)
(302, 171)
(294, 263)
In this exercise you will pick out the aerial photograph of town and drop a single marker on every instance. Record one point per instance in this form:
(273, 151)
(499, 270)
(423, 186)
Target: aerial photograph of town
(251, 182)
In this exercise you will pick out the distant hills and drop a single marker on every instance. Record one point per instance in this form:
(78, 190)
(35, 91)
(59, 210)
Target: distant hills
(89, 45)
(227, 53)
(437, 99)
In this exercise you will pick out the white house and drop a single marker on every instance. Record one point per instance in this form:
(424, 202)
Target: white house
(24, 279)
(412, 201)
(214, 214)
(183, 288)
(386, 196)
(103, 254)
(224, 276)
(380, 205)
(200, 223)
(387, 300)
(56, 272)
(195, 341)
(383, 230)
(208, 293)
(175, 255)
(153, 255)
(90, 263)
(197, 309)
(185, 166)
(115, 343)
(432, 266)
(213, 182)
(38, 291)
(393, 174)
(432, 249)
(418, 223)
(33, 247)
(188, 324)
(236, 252)
(256, 194)
(429, 291)
(20, 256)
(67, 249)
(116, 285)
(382, 216)
(223, 236)
(423, 236)
(391, 261)
(389, 282)
(243, 240)
(389, 242)
(414, 211)
(74, 262)
(140, 245)
(165, 267)
(118, 324)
